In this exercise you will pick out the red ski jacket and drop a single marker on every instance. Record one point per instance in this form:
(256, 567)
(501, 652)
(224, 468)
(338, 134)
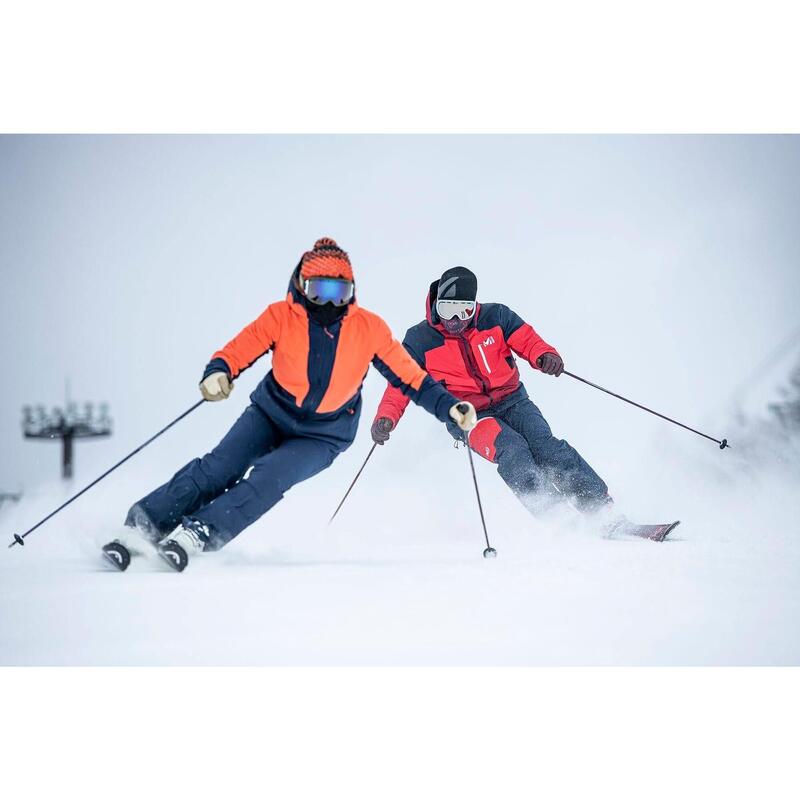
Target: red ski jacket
(477, 365)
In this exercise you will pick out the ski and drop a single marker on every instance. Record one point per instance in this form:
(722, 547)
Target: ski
(121, 551)
(117, 555)
(174, 555)
(172, 550)
(655, 533)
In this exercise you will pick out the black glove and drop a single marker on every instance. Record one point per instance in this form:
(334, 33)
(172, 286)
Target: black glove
(380, 429)
(550, 364)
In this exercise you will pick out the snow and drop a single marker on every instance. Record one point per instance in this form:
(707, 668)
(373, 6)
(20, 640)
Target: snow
(399, 579)
(635, 256)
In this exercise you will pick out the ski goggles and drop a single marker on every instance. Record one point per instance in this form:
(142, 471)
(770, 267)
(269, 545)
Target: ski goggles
(447, 309)
(328, 290)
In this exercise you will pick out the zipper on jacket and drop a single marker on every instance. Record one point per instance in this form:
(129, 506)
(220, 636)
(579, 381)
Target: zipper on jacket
(321, 356)
(472, 365)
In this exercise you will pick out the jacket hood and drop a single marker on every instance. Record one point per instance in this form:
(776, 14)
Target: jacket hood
(430, 305)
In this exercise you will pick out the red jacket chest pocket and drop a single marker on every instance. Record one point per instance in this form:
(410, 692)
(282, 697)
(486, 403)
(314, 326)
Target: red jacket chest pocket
(493, 355)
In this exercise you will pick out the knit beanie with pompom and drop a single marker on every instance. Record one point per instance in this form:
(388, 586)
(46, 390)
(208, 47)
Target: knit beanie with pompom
(326, 260)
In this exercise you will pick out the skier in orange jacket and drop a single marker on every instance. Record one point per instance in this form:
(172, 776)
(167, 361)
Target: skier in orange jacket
(301, 416)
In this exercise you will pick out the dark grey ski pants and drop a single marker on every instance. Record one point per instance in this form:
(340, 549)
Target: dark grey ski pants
(535, 465)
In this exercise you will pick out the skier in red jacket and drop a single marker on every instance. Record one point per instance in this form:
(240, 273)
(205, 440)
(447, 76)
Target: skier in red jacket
(469, 347)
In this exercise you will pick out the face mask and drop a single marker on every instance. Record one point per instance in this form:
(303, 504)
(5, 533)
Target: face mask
(455, 326)
(325, 315)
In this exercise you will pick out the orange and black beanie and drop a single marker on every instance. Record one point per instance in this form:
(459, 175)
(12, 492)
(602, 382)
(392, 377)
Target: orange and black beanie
(326, 260)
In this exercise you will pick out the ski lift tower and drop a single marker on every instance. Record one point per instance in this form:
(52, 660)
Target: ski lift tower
(9, 496)
(66, 424)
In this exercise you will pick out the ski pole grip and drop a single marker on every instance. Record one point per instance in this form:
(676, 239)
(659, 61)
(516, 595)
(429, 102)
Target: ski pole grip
(462, 408)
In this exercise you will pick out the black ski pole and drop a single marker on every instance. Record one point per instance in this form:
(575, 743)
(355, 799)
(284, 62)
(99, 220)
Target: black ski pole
(19, 539)
(371, 451)
(489, 552)
(722, 443)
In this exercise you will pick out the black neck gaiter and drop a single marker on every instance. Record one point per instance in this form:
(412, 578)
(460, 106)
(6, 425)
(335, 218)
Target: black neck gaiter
(325, 314)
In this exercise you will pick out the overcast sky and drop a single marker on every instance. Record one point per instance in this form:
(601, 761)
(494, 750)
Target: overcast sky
(662, 267)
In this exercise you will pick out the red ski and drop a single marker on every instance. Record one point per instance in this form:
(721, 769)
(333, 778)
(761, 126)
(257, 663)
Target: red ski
(656, 533)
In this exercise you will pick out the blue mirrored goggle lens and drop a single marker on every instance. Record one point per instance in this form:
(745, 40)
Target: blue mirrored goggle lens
(328, 290)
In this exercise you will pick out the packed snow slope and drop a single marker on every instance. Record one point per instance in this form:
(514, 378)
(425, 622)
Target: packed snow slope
(661, 267)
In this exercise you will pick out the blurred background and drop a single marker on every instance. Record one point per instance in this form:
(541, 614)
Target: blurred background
(663, 267)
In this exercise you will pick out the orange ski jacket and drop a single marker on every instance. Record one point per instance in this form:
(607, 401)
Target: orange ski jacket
(320, 369)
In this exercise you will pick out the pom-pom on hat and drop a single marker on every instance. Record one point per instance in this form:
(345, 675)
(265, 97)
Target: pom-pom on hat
(326, 260)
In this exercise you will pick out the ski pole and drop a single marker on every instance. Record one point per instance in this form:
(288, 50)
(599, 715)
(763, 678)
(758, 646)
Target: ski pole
(489, 552)
(371, 451)
(722, 444)
(20, 539)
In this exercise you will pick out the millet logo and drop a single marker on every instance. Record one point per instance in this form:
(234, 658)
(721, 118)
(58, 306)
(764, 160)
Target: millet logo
(487, 342)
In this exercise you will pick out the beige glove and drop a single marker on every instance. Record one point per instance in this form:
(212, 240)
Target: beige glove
(216, 386)
(464, 415)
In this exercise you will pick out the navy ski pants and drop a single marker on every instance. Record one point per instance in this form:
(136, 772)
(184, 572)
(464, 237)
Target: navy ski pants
(214, 489)
(534, 464)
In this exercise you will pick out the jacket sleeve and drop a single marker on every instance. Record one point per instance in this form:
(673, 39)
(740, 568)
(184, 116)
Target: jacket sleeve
(406, 376)
(522, 338)
(393, 404)
(250, 343)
